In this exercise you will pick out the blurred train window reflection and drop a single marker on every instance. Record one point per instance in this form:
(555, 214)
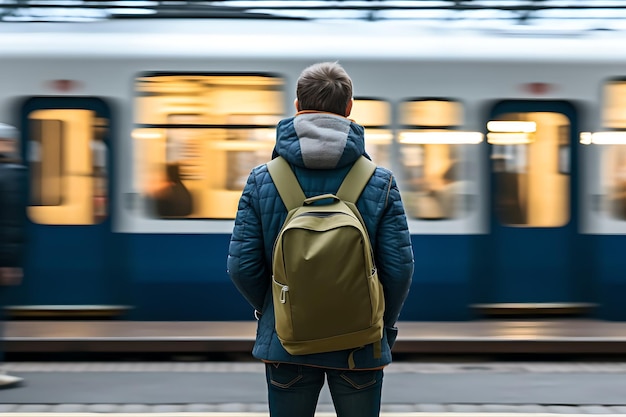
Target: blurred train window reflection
(67, 156)
(530, 161)
(437, 181)
(614, 156)
(375, 116)
(197, 138)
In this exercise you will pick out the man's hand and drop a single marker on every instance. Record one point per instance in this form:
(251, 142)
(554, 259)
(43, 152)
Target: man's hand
(11, 276)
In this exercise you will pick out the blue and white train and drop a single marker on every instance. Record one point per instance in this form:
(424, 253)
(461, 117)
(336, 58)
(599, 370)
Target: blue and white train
(510, 153)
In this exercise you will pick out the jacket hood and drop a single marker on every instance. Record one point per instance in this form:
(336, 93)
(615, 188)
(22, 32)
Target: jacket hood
(316, 140)
(10, 133)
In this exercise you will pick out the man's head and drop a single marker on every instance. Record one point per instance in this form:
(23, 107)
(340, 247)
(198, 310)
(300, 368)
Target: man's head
(325, 87)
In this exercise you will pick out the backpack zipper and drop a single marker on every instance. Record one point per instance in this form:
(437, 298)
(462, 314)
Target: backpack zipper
(283, 291)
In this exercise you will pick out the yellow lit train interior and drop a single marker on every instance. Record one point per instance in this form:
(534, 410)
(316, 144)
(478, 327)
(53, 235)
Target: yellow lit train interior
(197, 138)
(67, 160)
(433, 169)
(531, 169)
(375, 117)
(614, 156)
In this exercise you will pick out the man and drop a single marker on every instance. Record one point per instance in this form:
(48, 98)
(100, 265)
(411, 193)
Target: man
(12, 215)
(321, 144)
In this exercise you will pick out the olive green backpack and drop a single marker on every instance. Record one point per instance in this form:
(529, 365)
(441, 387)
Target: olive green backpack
(327, 295)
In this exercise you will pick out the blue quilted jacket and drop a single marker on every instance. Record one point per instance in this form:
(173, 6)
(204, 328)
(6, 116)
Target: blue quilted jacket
(321, 148)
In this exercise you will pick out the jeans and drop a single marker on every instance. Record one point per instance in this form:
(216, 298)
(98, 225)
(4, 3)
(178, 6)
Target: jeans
(293, 390)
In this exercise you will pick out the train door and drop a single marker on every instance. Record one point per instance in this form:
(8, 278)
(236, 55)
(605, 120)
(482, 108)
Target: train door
(69, 267)
(533, 250)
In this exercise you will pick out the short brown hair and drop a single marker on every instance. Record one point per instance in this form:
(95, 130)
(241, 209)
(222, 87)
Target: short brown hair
(325, 86)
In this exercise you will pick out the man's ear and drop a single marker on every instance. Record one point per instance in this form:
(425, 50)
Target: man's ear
(349, 107)
(295, 103)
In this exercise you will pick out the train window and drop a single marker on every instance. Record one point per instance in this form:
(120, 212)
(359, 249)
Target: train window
(614, 151)
(197, 138)
(614, 179)
(67, 156)
(614, 105)
(530, 162)
(436, 179)
(375, 116)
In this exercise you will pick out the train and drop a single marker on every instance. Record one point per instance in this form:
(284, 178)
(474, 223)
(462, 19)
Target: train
(509, 150)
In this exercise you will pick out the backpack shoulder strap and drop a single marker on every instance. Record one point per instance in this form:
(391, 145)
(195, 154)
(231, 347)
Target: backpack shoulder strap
(356, 180)
(286, 183)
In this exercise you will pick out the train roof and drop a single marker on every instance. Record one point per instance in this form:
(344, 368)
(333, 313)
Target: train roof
(383, 40)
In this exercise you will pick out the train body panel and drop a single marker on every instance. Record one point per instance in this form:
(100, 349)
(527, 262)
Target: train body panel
(133, 206)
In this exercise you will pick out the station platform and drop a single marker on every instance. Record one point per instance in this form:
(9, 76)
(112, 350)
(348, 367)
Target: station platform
(509, 336)
(232, 389)
(443, 370)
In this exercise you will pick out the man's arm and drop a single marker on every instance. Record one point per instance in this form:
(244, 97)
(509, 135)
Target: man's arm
(246, 257)
(394, 256)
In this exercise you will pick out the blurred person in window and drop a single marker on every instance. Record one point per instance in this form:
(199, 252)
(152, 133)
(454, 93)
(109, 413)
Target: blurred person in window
(13, 183)
(168, 194)
(321, 144)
